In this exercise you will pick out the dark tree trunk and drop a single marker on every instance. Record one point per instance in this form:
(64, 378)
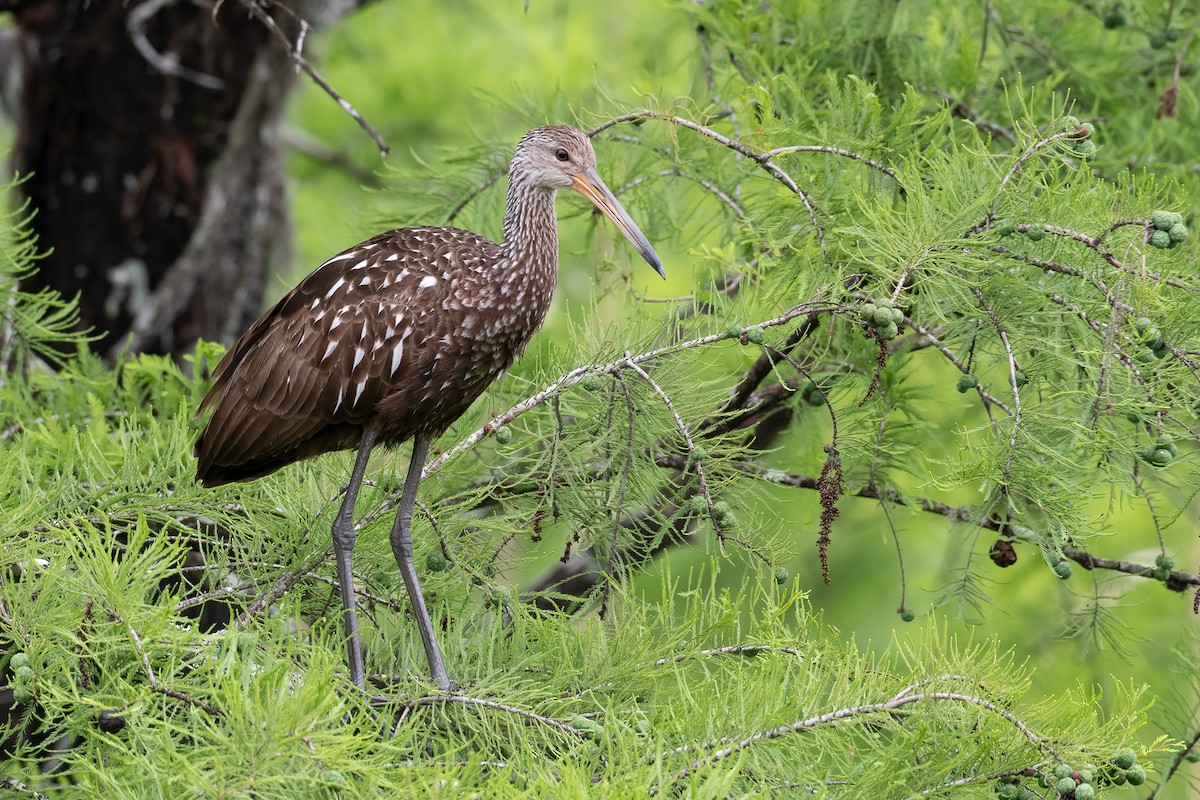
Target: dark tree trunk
(148, 131)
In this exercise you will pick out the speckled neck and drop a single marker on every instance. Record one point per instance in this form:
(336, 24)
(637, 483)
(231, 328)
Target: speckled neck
(530, 229)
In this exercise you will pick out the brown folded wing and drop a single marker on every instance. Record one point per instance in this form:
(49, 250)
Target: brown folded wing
(307, 376)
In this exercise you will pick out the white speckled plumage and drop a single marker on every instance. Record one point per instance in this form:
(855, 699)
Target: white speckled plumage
(400, 333)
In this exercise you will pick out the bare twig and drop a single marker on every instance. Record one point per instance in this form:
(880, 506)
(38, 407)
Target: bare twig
(834, 717)
(258, 9)
(693, 457)
(462, 699)
(839, 151)
(14, 785)
(167, 64)
(763, 159)
(158, 687)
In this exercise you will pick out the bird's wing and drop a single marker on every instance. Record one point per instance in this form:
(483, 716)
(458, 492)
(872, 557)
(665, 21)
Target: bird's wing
(326, 353)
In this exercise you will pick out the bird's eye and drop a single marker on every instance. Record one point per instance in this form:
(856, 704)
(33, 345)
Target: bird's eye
(562, 155)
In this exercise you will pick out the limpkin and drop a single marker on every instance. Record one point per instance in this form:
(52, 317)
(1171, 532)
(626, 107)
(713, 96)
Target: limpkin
(394, 339)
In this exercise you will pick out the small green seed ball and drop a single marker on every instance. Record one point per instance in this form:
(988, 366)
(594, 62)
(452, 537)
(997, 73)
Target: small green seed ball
(1117, 778)
(1063, 569)
(1115, 18)
(884, 302)
(696, 505)
(1172, 34)
(503, 435)
(734, 331)
(1161, 574)
(1161, 457)
(592, 382)
(1165, 560)
(756, 335)
(1178, 233)
(1019, 379)
(1146, 357)
(1065, 786)
(435, 561)
(1036, 232)
(897, 316)
(1072, 122)
(1086, 776)
(782, 575)
(1025, 793)
(889, 331)
(1162, 220)
(1176, 218)
(966, 382)
(724, 514)
(586, 725)
(22, 695)
(698, 453)
(1152, 335)
(499, 597)
(1192, 756)
(1135, 775)
(1161, 351)
(882, 317)
(1004, 227)
(1160, 239)
(1085, 792)
(908, 615)
(1085, 148)
(23, 673)
(1142, 324)
(1158, 40)
(1006, 791)
(867, 313)
(19, 660)
(1124, 759)
(813, 395)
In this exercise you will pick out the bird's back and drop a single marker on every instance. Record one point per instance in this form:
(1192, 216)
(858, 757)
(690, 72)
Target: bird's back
(400, 333)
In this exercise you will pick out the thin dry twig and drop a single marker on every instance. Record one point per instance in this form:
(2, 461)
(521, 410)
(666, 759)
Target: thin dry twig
(158, 687)
(462, 699)
(693, 460)
(833, 717)
(167, 64)
(258, 9)
(760, 158)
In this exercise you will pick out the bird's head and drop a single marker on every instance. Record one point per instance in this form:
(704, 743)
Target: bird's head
(561, 157)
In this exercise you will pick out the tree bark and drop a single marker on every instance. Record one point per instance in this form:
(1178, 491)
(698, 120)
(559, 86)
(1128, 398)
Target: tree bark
(148, 130)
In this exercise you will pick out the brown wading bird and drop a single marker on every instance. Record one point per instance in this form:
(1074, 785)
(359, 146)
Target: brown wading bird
(394, 339)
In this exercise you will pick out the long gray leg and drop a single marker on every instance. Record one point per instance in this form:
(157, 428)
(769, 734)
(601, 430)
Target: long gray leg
(402, 549)
(343, 544)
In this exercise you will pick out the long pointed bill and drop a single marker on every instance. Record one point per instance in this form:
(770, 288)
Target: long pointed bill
(588, 184)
